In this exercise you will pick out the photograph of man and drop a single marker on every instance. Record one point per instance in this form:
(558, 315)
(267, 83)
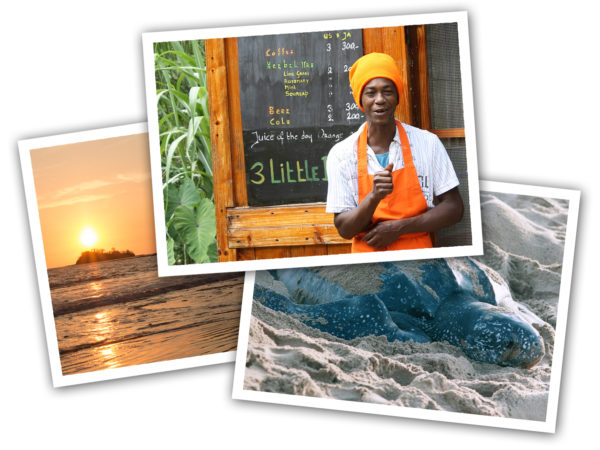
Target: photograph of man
(383, 179)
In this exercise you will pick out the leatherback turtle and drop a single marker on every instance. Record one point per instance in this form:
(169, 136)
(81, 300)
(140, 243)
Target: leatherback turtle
(457, 300)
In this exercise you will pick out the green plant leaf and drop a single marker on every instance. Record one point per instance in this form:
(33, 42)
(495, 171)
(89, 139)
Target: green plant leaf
(197, 229)
(171, 194)
(170, 152)
(189, 195)
(205, 126)
(170, 251)
(185, 147)
(203, 98)
(185, 195)
(212, 252)
(193, 98)
(206, 185)
(191, 132)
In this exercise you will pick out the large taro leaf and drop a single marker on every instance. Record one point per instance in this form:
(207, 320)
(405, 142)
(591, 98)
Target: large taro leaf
(197, 229)
(170, 251)
(212, 251)
(171, 200)
(186, 195)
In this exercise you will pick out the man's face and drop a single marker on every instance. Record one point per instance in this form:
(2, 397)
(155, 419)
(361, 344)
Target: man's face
(379, 99)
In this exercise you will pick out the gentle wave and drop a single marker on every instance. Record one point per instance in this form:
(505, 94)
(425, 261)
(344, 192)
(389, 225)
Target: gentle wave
(85, 286)
(62, 277)
(139, 292)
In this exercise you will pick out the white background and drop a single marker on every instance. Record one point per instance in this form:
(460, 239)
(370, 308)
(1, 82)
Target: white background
(74, 66)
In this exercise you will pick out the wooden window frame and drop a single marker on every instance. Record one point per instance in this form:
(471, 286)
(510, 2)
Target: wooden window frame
(419, 78)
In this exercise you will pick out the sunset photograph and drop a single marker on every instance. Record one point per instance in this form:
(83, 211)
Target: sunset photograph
(109, 307)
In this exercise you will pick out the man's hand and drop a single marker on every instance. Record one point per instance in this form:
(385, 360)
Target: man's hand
(382, 182)
(357, 220)
(447, 212)
(383, 233)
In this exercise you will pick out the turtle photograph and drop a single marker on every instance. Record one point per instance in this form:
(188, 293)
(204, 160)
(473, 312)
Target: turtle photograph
(473, 335)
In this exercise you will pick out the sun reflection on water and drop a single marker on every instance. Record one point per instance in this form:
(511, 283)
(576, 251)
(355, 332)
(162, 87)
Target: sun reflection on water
(102, 328)
(96, 289)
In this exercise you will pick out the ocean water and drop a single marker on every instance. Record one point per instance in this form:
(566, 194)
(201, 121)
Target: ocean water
(120, 313)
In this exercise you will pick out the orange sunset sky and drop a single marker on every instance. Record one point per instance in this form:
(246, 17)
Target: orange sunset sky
(101, 185)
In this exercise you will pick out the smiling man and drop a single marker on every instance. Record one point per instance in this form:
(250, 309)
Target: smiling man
(384, 177)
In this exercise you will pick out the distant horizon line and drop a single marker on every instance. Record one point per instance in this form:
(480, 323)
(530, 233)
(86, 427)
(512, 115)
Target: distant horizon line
(75, 264)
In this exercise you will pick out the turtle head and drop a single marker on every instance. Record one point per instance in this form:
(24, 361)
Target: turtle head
(505, 339)
(523, 347)
(487, 333)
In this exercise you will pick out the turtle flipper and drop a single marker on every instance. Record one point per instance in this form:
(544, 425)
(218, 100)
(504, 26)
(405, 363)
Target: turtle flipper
(349, 318)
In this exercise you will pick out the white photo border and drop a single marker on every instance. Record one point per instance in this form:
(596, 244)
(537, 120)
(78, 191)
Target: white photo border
(149, 39)
(548, 426)
(58, 379)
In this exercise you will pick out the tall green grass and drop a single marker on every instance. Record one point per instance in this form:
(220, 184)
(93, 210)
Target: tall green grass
(186, 158)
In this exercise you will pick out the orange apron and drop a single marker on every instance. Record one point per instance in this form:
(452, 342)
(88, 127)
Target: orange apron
(406, 200)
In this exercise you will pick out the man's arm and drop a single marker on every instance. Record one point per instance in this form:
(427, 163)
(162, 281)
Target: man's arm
(350, 223)
(447, 212)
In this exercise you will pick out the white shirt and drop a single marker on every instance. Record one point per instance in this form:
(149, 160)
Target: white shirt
(434, 168)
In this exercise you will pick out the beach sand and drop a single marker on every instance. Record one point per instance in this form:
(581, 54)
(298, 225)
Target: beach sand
(523, 240)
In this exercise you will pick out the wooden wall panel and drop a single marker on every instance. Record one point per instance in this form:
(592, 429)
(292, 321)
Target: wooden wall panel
(308, 250)
(285, 225)
(423, 77)
(216, 72)
(284, 215)
(238, 165)
(273, 253)
(418, 76)
(339, 249)
(246, 254)
(372, 40)
(450, 133)
(283, 236)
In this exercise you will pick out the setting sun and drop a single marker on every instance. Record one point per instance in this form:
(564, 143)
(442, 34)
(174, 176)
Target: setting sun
(88, 237)
(81, 209)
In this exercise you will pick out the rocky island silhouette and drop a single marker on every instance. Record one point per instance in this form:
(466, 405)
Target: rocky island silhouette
(101, 255)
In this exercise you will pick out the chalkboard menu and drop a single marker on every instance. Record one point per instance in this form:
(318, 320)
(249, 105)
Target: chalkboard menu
(296, 104)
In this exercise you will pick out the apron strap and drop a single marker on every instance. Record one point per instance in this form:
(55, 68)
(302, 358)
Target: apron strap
(364, 185)
(406, 151)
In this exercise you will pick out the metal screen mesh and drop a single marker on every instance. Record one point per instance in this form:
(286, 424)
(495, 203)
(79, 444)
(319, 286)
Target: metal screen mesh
(459, 234)
(446, 108)
(445, 90)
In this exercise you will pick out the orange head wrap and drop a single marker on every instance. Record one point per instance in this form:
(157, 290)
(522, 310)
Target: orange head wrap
(370, 66)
